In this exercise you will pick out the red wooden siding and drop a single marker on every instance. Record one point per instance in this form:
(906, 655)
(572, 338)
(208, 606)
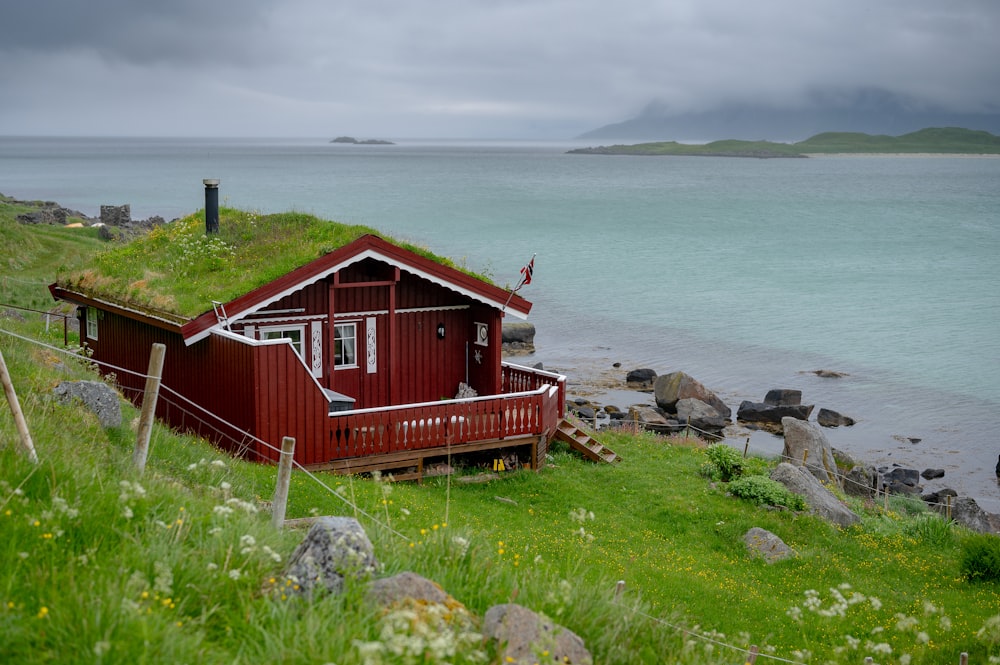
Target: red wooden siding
(287, 401)
(219, 378)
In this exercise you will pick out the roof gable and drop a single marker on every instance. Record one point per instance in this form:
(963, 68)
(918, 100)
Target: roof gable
(367, 246)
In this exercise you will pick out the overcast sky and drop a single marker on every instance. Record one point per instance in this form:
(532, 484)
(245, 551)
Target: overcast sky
(467, 68)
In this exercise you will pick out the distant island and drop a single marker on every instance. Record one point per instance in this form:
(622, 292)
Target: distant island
(354, 141)
(933, 140)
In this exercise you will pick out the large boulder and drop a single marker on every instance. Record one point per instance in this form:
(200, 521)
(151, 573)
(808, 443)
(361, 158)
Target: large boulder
(671, 388)
(525, 637)
(861, 481)
(760, 412)
(829, 418)
(968, 513)
(783, 397)
(806, 445)
(651, 418)
(761, 542)
(334, 548)
(640, 379)
(518, 337)
(97, 396)
(822, 501)
(694, 412)
(406, 585)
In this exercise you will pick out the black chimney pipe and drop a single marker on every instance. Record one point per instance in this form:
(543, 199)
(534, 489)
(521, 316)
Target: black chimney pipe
(211, 205)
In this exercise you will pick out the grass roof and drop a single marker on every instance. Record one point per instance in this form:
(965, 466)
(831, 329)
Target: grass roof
(177, 270)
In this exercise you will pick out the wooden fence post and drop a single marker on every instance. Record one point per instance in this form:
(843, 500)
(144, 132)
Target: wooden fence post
(619, 589)
(752, 656)
(868, 660)
(280, 503)
(15, 408)
(963, 659)
(148, 412)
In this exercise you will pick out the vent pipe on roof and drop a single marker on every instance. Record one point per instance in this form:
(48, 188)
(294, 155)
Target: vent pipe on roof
(211, 205)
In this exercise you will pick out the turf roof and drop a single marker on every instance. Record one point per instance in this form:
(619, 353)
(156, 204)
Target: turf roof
(177, 270)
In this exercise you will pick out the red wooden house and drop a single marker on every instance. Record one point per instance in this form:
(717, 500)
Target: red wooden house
(358, 354)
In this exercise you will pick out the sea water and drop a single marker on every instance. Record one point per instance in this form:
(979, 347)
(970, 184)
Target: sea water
(747, 274)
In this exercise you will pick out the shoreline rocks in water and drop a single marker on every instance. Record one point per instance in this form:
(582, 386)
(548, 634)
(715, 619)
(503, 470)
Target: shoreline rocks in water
(682, 401)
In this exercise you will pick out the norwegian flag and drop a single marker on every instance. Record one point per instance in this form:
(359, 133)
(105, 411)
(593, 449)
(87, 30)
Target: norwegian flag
(527, 271)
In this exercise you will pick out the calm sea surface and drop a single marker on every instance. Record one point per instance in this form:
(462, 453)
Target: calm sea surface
(747, 274)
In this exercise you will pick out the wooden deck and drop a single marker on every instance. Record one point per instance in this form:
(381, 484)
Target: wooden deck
(400, 439)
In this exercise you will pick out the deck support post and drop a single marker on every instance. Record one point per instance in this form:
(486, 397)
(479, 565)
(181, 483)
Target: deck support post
(280, 503)
(148, 412)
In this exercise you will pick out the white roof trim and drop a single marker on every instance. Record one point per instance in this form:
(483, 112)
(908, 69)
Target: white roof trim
(368, 253)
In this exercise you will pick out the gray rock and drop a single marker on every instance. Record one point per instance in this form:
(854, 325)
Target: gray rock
(97, 396)
(334, 548)
(783, 397)
(967, 512)
(828, 418)
(761, 542)
(939, 497)
(640, 378)
(902, 476)
(670, 388)
(649, 416)
(406, 585)
(822, 501)
(522, 635)
(518, 337)
(699, 415)
(861, 481)
(116, 215)
(932, 474)
(806, 441)
(759, 412)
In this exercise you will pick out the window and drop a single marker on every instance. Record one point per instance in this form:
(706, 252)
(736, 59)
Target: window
(91, 315)
(345, 345)
(293, 333)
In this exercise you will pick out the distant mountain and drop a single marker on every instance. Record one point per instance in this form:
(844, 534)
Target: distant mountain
(867, 111)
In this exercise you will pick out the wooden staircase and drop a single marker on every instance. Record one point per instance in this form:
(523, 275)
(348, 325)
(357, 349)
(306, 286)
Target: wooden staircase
(583, 443)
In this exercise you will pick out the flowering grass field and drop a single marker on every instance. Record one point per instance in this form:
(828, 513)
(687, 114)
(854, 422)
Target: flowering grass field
(180, 565)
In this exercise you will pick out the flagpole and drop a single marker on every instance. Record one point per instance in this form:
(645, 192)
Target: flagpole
(524, 276)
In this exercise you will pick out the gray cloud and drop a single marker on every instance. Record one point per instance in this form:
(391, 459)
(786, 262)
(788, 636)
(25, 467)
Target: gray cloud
(468, 67)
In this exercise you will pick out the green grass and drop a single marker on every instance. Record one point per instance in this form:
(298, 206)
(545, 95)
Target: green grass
(177, 270)
(31, 256)
(100, 565)
(935, 140)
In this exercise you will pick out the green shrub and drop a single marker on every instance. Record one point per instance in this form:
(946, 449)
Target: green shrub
(724, 462)
(980, 558)
(761, 490)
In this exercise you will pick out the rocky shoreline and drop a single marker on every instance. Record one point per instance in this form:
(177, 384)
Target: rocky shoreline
(683, 403)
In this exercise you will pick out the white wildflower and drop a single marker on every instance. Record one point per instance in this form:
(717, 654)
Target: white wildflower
(247, 540)
(234, 574)
(219, 464)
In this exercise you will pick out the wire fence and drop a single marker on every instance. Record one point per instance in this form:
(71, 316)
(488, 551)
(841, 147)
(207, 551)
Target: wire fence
(205, 418)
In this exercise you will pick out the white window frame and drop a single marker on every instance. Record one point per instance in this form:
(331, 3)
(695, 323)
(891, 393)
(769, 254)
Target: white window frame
(267, 333)
(90, 314)
(337, 337)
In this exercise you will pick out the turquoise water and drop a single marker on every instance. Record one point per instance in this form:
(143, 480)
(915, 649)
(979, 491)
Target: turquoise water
(748, 274)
